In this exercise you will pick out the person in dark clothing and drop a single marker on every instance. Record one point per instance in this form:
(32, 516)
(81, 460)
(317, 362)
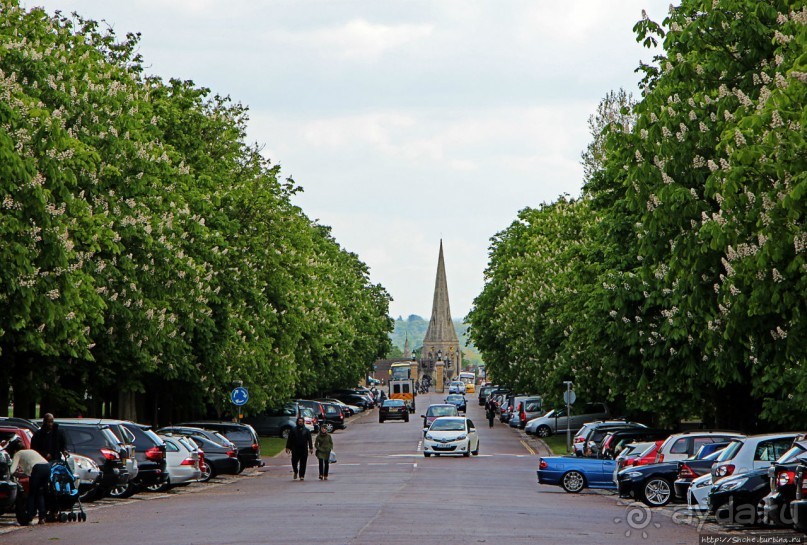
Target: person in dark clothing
(490, 412)
(299, 445)
(49, 440)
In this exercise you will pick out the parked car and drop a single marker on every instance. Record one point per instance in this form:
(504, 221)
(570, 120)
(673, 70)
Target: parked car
(242, 435)
(579, 439)
(683, 445)
(193, 431)
(573, 473)
(628, 454)
(533, 407)
(125, 438)
(316, 406)
(458, 401)
(97, 442)
(15, 422)
(798, 507)
(698, 493)
(782, 479)
(749, 453)
(334, 417)
(692, 468)
(437, 410)
(215, 458)
(556, 420)
(651, 484)
(615, 440)
(360, 400)
(349, 410)
(393, 409)
(451, 435)
(595, 435)
(737, 499)
(276, 421)
(182, 462)
(148, 448)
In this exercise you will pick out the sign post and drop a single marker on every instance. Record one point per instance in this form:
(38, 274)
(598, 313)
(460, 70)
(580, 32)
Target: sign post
(569, 397)
(239, 396)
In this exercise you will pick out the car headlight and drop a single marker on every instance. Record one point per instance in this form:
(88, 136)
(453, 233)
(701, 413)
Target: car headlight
(634, 474)
(731, 485)
(461, 437)
(429, 437)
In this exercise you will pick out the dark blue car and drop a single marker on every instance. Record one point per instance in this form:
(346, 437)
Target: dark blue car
(573, 473)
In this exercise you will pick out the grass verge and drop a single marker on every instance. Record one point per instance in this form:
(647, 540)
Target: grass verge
(270, 446)
(556, 443)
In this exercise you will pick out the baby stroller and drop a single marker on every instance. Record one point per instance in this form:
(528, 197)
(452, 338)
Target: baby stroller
(62, 497)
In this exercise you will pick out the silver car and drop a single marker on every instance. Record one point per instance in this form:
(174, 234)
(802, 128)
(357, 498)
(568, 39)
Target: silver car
(181, 462)
(556, 420)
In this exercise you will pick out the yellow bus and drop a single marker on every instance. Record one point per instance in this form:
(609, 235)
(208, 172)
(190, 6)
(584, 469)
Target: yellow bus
(469, 379)
(401, 384)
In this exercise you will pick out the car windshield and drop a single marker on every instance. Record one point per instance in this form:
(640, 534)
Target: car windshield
(730, 451)
(454, 397)
(791, 454)
(448, 424)
(393, 403)
(441, 410)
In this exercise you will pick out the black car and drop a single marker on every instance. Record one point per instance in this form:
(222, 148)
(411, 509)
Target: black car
(242, 435)
(393, 409)
(615, 440)
(782, 479)
(192, 431)
(734, 500)
(22, 423)
(97, 442)
(457, 400)
(334, 417)
(483, 394)
(798, 507)
(358, 400)
(697, 466)
(653, 484)
(218, 459)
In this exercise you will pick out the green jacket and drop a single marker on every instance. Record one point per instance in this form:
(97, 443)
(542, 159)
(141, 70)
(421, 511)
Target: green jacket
(323, 446)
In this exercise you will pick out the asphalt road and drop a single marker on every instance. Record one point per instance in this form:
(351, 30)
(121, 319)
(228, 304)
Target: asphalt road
(382, 491)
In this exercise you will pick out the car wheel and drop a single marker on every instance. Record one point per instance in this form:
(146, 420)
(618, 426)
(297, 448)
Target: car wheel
(91, 494)
(573, 482)
(476, 452)
(426, 454)
(328, 427)
(123, 491)
(159, 487)
(406, 419)
(207, 472)
(657, 492)
(380, 420)
(543, 431)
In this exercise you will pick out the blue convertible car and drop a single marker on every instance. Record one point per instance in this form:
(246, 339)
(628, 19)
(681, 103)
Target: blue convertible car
(574, 473)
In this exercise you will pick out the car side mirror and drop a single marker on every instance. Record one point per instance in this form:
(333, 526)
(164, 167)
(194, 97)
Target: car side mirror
(423, 416)
(471, 429)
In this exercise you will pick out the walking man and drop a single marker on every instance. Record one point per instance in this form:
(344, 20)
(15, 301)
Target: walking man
(490, 412)
(324, 446)
(299, 445)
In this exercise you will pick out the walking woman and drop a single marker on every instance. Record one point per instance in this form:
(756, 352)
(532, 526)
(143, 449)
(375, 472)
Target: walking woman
(323, 446)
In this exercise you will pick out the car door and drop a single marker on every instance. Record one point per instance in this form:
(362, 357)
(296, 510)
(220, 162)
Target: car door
(472, 435)
(768, 451)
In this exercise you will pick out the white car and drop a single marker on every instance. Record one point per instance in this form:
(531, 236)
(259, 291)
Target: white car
(698, 493)
(451, 435)
(681, 446)
(181, 462)
(750, 453)
(456, 387)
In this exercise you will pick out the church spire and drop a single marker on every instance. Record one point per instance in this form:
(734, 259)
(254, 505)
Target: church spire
(441, 336)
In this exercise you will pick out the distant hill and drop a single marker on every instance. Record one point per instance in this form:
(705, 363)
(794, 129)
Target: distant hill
(415, 327)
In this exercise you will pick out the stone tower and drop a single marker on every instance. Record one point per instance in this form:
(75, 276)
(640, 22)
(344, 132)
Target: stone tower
(441, 347)
(407, 352)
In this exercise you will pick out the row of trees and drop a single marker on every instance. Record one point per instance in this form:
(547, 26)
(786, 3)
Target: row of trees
(145, 248)
(675, 286)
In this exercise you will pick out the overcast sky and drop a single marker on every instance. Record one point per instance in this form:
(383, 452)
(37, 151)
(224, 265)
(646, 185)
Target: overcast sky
(404, 121)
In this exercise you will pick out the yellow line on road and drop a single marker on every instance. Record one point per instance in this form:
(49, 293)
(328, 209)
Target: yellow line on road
(526, 446)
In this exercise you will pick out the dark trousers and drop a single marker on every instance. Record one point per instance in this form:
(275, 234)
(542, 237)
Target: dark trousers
(491, 416)
(323, 466)
(299, 458)
(37, 488)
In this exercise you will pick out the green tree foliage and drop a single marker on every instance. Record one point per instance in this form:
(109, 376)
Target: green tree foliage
(146, 248)
(687, 294)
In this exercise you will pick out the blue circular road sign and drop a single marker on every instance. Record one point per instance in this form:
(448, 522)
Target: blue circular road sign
(239, 396)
